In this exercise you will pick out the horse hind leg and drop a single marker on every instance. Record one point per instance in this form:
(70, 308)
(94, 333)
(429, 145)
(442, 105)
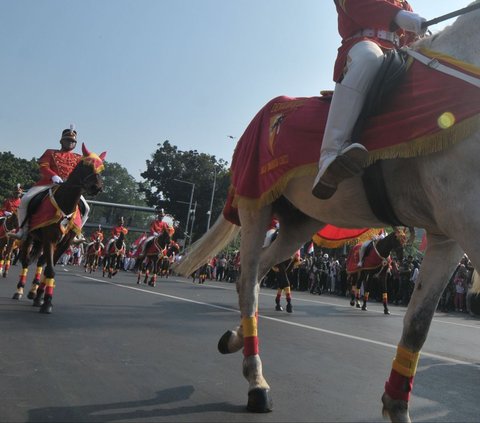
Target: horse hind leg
(254, 225)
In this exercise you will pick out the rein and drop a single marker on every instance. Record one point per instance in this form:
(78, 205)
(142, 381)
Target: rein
(458, 12)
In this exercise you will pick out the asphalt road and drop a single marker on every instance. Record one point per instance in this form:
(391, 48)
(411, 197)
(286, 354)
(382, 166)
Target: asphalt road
(115, 351)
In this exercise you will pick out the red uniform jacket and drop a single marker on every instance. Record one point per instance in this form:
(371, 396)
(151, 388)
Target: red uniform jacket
(95, 235)
(158, 226)
(117, 230)
(10, 205)
(56, 162)
(355, 15)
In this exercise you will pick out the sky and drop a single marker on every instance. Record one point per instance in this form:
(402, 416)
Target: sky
(130, 74)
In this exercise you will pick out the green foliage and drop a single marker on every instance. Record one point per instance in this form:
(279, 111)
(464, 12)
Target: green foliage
(169, 179)
(13, 171)
(121, 188)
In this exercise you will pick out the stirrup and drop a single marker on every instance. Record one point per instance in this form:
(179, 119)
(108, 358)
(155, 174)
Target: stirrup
(347, 164)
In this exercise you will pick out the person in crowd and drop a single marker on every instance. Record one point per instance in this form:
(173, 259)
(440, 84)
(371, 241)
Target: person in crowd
(368, 29)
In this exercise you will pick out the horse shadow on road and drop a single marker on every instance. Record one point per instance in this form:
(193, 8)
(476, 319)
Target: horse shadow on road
(160, 406)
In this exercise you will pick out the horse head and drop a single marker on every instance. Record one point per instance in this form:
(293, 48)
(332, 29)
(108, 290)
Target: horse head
(401, 240)
(163, 239)
(86, 174)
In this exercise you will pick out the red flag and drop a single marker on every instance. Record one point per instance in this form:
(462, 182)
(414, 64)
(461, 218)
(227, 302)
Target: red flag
(310, 249)
(423, 244)
(140, 239)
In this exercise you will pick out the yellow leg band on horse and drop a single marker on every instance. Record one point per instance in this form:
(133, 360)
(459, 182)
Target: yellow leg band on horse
(249, 325)
(50, 282)
(24, 271)
(405, 362)
(384, 296)
(287, 290)
(39, 269)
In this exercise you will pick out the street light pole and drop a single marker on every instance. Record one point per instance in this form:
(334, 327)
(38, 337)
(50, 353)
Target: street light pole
(189, 207)
(211, 199)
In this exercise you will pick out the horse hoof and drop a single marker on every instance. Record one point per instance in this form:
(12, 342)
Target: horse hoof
(289, 308)
(37, 302)
(278, 307)
(46, 308)
(364, 308)
(395, 410)
(385, 311)
(358, 306)
(16, 296)
(223, 342)
(352, 303)
(259, 401)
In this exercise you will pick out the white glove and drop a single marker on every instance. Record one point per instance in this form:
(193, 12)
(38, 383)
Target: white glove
(56, 179)
(410, 21)
(7, 213)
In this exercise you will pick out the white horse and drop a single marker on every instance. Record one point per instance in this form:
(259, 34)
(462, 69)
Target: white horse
(439, 192)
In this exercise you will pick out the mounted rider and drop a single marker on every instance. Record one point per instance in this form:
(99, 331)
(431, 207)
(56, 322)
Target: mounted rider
(159, 224)
(55, 167)
(96, 235)
(118, 229)
(368, 29)
(10, 205)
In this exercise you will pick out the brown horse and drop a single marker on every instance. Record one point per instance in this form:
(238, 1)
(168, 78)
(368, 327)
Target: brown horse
(57, 232)
(150, 263)
(92, 255)
(7, 243)
(375, 265)
(114, 252)
(171, 252)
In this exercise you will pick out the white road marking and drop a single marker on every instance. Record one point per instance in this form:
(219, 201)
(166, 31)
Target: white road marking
(300, 325)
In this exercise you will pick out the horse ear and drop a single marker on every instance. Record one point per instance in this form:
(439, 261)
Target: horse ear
(85, 150)
(102, 156)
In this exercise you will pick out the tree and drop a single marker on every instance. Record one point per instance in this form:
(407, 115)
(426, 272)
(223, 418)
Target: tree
(119, 187)
(170, 176)
(13, 171)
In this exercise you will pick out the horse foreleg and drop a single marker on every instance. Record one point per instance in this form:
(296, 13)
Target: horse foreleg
(384, 279)
(32, 293)
(441, 258)
(366, 293)
(21, 283)
(49, 279)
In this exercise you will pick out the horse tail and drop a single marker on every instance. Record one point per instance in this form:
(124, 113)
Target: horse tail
(217, 237)
(475, 283)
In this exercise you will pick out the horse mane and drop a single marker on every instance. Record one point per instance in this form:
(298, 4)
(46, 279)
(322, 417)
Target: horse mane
(447, 39)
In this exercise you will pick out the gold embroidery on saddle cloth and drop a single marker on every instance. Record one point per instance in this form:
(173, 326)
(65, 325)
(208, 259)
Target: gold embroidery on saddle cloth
(277, 119)
(66, 222)
(273, 164)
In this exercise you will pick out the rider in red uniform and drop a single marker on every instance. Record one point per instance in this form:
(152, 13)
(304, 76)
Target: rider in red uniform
(117, 230)
(368, 29)
(98, 234)
(157, 226)
(10, 205)
(55, 167)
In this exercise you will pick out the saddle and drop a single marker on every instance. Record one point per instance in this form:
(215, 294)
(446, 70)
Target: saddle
(389, 76)
(37, 200)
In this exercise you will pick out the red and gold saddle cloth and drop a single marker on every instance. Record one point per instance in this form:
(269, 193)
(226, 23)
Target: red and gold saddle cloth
(371, 261)
(428, 112)
(49, 213)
